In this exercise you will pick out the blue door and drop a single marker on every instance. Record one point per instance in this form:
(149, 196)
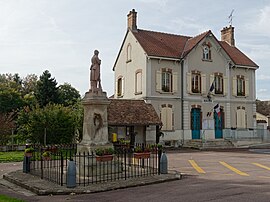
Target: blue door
(218, 125)
(195, 123)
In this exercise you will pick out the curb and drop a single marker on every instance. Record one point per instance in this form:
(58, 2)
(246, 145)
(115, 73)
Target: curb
(44, 187)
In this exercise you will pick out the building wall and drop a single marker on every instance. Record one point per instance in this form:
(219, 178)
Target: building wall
(127, 69)
(149, 66)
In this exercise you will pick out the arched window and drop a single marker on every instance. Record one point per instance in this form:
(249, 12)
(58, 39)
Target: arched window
(206, 52)
(128, 53)
(138, 82)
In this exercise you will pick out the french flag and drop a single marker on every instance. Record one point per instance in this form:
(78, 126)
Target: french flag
(217, 109)
(212, 87)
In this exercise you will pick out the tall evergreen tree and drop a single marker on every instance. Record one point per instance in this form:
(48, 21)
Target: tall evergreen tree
(47, 91)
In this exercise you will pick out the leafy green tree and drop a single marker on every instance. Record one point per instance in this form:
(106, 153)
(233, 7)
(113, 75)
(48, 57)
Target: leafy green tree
(29, 84)
(47, 91)
(10, 99)
(11, 81)
(56, 122)
(68, 95)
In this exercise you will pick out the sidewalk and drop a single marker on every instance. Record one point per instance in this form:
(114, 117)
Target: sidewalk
(44, 187)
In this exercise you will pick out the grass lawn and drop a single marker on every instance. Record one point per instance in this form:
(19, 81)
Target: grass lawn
(11, 156)
(4, 198)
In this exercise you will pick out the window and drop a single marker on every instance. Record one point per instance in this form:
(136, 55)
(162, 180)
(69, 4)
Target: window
(128, 53)
(240, 85)
(120, 86)
(218, 83)
(241, 117)
(195, 82)
(166, 80)
(138, 82)
(167, 117)
(206, 52)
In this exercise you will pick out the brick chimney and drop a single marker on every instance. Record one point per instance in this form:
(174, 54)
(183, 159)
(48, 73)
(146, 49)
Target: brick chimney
(227, 34)
(132, 20)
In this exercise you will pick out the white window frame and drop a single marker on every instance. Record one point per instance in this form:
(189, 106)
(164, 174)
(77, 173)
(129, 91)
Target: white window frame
(219, 84)
(120, 86)
(196, 82)
(129, 48)
(138, 82)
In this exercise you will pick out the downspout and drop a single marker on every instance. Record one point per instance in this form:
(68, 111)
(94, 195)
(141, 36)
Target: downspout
(182, 102)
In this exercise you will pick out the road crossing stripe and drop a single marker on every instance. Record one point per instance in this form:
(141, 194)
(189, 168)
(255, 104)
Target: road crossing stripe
(196, 167)
(262, 166)
(233, 169)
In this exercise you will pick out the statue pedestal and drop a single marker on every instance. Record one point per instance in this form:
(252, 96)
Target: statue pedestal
(95, 126)
(95, 123)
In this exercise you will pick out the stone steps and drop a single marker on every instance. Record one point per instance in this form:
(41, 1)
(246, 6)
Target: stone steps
(209, 144)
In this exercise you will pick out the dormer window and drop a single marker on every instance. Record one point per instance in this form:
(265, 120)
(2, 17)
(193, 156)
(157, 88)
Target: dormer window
(206, 52)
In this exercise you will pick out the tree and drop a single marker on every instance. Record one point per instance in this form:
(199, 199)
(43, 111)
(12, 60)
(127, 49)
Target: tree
(10, 100)
(47, 91)
(68, 95)
(29, 84)
(57, 122)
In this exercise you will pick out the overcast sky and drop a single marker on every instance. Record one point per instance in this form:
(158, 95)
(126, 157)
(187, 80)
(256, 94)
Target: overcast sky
(61, 35)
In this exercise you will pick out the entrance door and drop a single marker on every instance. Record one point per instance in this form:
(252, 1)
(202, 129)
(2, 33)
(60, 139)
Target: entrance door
(218, 125)
(195, 122)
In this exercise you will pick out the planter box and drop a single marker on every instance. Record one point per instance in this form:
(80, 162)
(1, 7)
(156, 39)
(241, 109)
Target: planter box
(104, 158)
(46, 158)
(144, 155)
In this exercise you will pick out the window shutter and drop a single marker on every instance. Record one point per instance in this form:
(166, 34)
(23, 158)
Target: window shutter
(175, 82)
(169, 118)
(225, 85)
(188, 82)
(116, 88)
(164, 118)
(158, 81)
(247, 87)
(123, 86)
(203, 83)
(234, 86)
(243, 118)
(212, 78)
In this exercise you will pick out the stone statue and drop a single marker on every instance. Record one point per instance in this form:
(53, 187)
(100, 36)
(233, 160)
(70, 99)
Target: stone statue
(95, 73)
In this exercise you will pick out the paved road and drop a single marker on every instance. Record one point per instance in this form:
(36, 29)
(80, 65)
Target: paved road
(208, 176)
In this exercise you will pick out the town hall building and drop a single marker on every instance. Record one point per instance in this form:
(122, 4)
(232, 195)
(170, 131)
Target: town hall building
(201, 87)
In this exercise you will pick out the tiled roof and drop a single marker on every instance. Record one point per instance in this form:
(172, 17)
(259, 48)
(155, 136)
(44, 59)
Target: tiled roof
(161, 44)
(123, 112)
(237, 56)
(193, 42)
(177, 46)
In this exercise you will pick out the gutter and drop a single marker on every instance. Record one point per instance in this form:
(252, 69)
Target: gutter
(182, 94)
